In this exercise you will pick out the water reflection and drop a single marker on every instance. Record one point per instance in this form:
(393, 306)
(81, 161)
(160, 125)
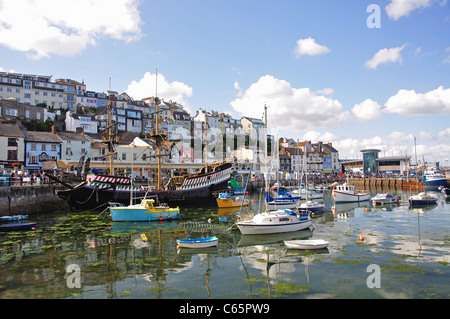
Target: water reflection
(141, 260)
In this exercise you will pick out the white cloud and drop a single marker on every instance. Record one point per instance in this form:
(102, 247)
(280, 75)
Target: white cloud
(400, 8)
(445, 132)
(145, 87)
(63, 27)
(325, 91)
(289, 108)
(385, 56)
(410, 103)
(315, 137)
(367, 110)
(309, 46)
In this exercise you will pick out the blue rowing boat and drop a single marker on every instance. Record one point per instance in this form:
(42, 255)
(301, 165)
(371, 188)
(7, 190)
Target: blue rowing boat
(198, 242)
(17, 226)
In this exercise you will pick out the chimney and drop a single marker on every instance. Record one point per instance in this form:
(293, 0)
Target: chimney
(53, 129)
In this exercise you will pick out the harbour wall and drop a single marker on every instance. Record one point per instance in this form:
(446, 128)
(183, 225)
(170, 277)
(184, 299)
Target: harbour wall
(29, 199)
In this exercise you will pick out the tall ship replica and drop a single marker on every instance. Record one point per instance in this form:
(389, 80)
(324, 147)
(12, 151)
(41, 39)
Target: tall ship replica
(186, 190)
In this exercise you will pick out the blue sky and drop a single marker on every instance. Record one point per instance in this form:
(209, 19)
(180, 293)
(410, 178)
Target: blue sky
(325, 75)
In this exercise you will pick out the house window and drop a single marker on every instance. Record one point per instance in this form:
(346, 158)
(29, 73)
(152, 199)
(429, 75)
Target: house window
(54, 147)
(12, 142)
(43, 147)
(124, 156)
(33, 159)
(12, 155)
(33, 146)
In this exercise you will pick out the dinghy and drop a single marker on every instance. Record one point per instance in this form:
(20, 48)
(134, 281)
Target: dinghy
(17, 226)
(198, 242)
(12, 218)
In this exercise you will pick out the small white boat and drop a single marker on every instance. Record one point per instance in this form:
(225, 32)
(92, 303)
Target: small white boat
(311, 206)
(280, 221)
(423, 199)
(306, 244)
(384, 199)
(198, 242)
(345, 193)
(446, 192)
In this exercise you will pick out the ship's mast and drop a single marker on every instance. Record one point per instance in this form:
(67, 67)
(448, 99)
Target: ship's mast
(110, 135)
(158, 140)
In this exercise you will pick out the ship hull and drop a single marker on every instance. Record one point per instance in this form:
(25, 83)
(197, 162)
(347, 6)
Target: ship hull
(196, 191)
(85, 197)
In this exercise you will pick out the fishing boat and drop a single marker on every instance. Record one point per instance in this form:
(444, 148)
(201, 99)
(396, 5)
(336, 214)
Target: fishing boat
(434, 178)
(198, 242)
(144, 211)
(226, 200)
(280, 221)
(306, 244)
(381, 198)
(423, 198)
(12, 218)
(17, 226)
(345, 193)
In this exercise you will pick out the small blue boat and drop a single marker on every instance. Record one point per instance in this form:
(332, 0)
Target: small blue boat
(198, 242)
(145, 211)
(17, 226)
(12, 218)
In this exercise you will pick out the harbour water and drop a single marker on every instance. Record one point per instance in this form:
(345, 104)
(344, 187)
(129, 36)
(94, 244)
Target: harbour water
(404, 253)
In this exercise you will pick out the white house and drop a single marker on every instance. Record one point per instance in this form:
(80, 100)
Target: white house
(74, 121)
(74, 146)
(12, 146)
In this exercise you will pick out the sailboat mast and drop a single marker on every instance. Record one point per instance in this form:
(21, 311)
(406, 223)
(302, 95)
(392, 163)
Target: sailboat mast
(110, 135)
(265, 155)
(158, 142)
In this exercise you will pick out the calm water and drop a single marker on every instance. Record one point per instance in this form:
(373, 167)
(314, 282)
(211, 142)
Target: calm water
(141, 260)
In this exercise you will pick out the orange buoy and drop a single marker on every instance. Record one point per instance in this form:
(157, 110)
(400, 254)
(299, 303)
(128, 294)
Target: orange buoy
(361, 238)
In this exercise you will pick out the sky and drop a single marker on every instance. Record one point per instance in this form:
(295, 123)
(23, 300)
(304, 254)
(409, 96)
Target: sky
(357, 74)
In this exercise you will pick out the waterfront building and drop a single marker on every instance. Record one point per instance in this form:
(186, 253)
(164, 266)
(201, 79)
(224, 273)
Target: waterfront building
(74, 146)
(393, 165)
(39, 148)
(12, 145)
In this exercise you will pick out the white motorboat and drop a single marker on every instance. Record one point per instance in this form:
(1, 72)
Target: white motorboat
(280, 221)
(311, 206)
(381, 198)
(306, 244)
(345, 193)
